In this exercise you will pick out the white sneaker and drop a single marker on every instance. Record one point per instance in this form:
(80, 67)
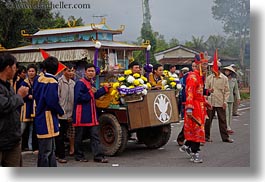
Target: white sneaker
(196, 158)
(185, 149)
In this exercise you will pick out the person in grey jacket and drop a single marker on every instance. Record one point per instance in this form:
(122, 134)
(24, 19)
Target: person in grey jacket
(10, 131)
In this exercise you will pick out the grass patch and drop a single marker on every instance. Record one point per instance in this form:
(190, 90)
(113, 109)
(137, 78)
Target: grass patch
(244, 95)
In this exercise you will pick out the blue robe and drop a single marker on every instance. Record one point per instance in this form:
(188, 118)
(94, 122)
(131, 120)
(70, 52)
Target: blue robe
(84, 113)
(28, 109)
(46, 96)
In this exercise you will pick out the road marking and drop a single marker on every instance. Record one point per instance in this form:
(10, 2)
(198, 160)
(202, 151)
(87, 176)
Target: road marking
(244, 109)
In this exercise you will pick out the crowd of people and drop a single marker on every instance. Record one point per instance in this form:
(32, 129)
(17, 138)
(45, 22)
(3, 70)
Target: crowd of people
(54, 110)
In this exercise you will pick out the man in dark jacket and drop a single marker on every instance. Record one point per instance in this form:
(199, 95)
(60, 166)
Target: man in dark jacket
(10, 134)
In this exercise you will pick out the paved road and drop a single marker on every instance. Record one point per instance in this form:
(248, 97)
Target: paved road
(215, 154)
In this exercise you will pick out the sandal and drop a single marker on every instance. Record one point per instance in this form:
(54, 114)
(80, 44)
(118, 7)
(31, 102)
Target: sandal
(102, 160)
(62, 160)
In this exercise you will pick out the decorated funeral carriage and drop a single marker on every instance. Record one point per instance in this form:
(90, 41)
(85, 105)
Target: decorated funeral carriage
(127, 109)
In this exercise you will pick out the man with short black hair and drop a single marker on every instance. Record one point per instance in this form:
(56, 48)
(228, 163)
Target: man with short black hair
(85, 116)
(135, 67)
(10, 132)
(48, 108)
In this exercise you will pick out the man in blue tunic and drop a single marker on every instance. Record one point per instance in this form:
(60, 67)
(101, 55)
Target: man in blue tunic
(85, 115)
(48, 108)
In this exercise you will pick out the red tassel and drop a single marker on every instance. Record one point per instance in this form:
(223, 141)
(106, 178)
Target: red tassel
(202, 55)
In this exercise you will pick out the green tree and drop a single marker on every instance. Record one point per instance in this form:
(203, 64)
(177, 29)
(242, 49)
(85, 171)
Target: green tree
(231, 48)
(236, 18)
(196, 43)
(16, 16)
(214, 42)
(161, 43)
(173, 42)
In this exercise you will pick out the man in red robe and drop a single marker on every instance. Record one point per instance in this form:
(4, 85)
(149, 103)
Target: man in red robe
(195, 107)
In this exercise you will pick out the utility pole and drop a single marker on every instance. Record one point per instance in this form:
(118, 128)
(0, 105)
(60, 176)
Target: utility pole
(146, 13)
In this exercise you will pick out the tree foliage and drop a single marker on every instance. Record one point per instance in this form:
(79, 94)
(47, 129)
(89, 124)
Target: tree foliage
(235, 15)
(14, 18)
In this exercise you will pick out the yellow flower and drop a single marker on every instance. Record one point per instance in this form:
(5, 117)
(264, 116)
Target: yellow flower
(136, 75)
(136, 82)
(115, 85)
(113, 92)
(117, 96)
(149, 85)
(166, 73)
(171, 78)
(144, 78)
(173, 84)
(121, 78)
(128, 72)
(131, 86)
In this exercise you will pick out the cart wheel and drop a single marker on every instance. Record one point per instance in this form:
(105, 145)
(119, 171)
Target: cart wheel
(111, 134)
(154, 137)
(124, 139)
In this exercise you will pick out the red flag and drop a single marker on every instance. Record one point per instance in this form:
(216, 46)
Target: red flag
(215, 63)
(44, 54)
(61, 66)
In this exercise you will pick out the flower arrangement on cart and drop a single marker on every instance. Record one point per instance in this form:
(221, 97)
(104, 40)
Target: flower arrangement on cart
(130, 87)
(170, 82)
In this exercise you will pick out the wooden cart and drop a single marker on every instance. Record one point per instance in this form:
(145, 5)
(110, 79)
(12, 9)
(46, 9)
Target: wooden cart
(150, 119)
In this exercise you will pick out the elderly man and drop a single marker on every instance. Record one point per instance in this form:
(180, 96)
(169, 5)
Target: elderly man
(218, 99)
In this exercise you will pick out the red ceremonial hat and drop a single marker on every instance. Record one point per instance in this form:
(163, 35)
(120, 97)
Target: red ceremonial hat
(203, 59)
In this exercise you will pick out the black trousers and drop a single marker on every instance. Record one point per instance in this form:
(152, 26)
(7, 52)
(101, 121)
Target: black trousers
(195, 146)
(181, 136)
(59, 140)
(94, 142)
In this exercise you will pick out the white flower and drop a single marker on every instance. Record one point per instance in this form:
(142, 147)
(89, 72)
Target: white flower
(141, 81)
(144, 92)
(164, 82)
(166, 86)
(179, 86)
(123, 86)
(145, 86)
(130, 79)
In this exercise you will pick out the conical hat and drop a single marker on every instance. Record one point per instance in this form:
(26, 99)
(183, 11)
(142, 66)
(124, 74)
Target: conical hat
(229, 68)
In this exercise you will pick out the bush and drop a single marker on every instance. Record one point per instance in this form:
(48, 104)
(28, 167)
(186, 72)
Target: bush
(244, 95)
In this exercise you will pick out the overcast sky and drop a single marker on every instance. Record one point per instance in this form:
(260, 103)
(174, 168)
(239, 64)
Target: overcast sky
(172, 18)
